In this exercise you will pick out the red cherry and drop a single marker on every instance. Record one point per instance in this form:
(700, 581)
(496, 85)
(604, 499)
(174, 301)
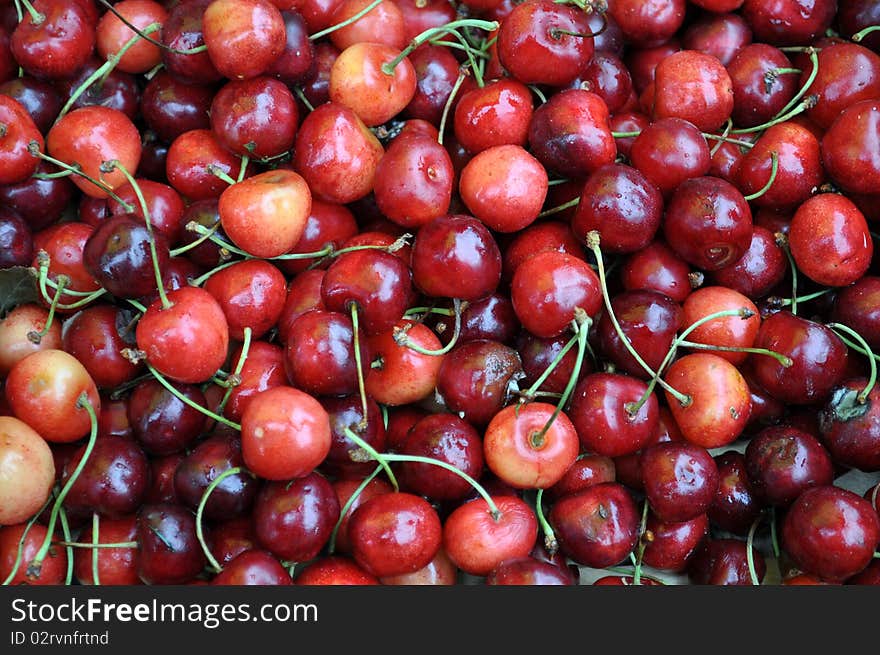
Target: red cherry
(243, 37)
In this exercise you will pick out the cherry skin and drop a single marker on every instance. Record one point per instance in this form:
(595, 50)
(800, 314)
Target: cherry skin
(190, 158)
(243, 38)
(497, 114)
(447, 438)
(736, 331)
(39, 202)
(722, 34)
(491, 317)
(856, 306)
(475, 379)
(830, 240)
(849, 534)
(680, 480)
(736, 505)
(599, 412)
(17, 539)
(571, 133)
(848, 428)
(759, 270)
(788, 22)
(527, 571)
(536, 355)
(253, 567)
(724, 561)
(456, 256)
(43, 390)
(382, 24)
(230, 538)
(319, 355)
(169, 107)
(57, 46)
(477, 543)
(607, 76)
(39, 98)
(527, 451)
(648, 23)
(296, 61)
(334, 570)
(670, 151)
(252, 294)
(187, 341)
(540, 42)
(116, 566)
(19, 131)
(160, 421)
(394, 533)
(656, 267)
(169, 551)
(16, 241)
(399, 375)
(708, 223)
(622, 205)
(817, 354)
(111, 34)
(345, 488)
(673, 544)
(14, 329)
(293, 520)
(27, 471)
(347, 413)
(598, 526)
(693, 86)
(782, 462)
(164, 206)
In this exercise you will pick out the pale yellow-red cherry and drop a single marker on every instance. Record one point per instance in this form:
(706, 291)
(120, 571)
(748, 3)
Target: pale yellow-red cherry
(27, 471)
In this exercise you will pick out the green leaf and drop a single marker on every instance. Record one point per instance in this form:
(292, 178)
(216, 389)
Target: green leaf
(17, 287)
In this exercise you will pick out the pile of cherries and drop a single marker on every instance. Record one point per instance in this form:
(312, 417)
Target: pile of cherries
(434, 292)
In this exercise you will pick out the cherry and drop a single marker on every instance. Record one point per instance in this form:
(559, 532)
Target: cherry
(187, 340)
(316, 86)
(491, 317)
(192, 156)
(336, 154)
(345, 492)
(57, 44)
(20, 544)
(693, 86)
(230, 538)
(848, 425)
(27, 471)
(17, 133)
(334, 570)
(670, 545)
(209, 459)
(656, 267)
(347, 413)
(761, 268)
(113, 480)
(447, 438)
(436, 70)
(855, 307)
(477, 542)
(647, 23)
(399, 375)
(527, 571)
(721, 34)
(39, 202)
(787, 22)
(383, 24)
(571, 133)
(680, 479)
(598, 526)
(848, 163)
(253, 567)
(724, 561)
(169, 551)
(849, 534)
(39, 98)
(818, 359)
(115, 566)
(243, 38)
(43, 390)
(162, 422)
(263, 369)
(736, 506)
(394, 533)
(607, 76)
(496, 114)
(293, 520)
(16, 240)
(601, 413)
(456, 256)
(475, 379)
(252, 295)
(670, 151)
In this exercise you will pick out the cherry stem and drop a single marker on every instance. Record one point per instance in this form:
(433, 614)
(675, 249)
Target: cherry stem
(160, 286)
(537, 91)
(582, 323)
(47, 176)
(723, 138)
(242, 169)
(593, 240)
(433, 33)
(743, 312)
(34, 149)
(359, 366)
(728, 125)
(448, 104)
(348, 21)
(95, 545)
(34, 336)
(96, 520)
(204, 277)
(43, 281)
(200, 510)
(779, 357)
(861, 34)
(550, 541)
(235, 379)
(36, 17)
(626, 135)
(145, 36)
(82, 402)
(65, 531)
(216, 171)
(750, 555)
(782, 242)
(574, 202)
(401, 334)
(872, 360)
(302, 96)
(776, 302)
(774, 540)
(373, 454)
(532, 390)
(774, 169)
(644, 539)
(191, 403)
(195, 244)
(416, 311)
(102, 71)
(331, 543)
(16, 564)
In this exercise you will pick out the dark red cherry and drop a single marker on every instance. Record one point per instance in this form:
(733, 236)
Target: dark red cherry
(759, 270)
(171, 107)
(671, 544)
(670, 151)
(725, 561)
(850, 425)
(736, 506)
(760, 91)
(858, 306)
(169, 550)
(161, 422)
(205, 463)
(253, 567)
(680, 480)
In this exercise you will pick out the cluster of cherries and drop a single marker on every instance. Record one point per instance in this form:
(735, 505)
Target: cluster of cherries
(431, 292)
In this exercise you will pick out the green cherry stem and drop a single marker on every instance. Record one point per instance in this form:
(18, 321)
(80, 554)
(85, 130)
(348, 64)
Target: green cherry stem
(16, 564)
(96, 545)
(872, 360)
(784, 360)
(551, 544)
(359, 366)
(331, 543)
(530, 393)
(348, 21)
(645, 537)
(372, 454)
(36, 17)
(95, 535)
(401, 334)
(774, 538)
(861, 34)
(216, 171)
(51, 176)
(235, 379)
(65, 530)
(195, 244)
(200, 510)
(750, 554)
(36, 337)
(204, 410)
(447, 106)
(418, 311)
(775, 302)
(147, 37)
(593, 241)
(242, 169)
(433, 33)
(774, 169)
(574, 202)
(302, 96)
(728, 125)
(160, 285)
(782, 242)
(82, 402)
